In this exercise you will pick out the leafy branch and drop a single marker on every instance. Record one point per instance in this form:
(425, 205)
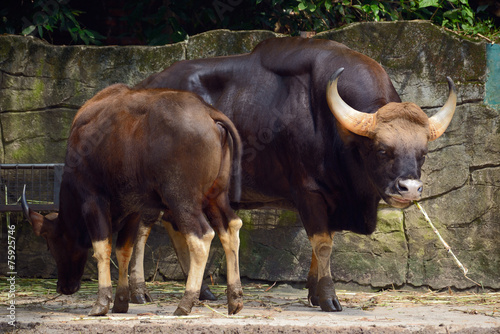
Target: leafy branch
(320, 15)
(45, 17)
(158, 22)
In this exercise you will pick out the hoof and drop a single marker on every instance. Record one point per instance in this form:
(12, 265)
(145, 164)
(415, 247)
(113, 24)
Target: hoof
(119, 308)
(121, 300)
(187, 302)
(181, 311)
(312, 284)
(206, 294)
(139, 294)
(234, 308)
(99, 310)
(313, 300)
(101, 306)
(330, 305)
(323, 294)
(141, 298)
(120, 305)
(234, 298)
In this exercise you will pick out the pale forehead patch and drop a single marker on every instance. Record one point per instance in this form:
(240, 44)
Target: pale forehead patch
(402, 124)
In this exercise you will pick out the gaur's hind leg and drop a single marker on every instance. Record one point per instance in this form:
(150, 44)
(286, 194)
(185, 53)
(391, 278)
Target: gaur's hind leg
(124, 247)
(199, 247)
(182, 251)
(228, 224)
(139, 294)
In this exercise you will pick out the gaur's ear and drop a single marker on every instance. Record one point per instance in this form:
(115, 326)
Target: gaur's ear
(41, 225)
(44, 226)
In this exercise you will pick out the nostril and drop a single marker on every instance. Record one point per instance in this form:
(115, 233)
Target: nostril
(409, 188)
(401, 187)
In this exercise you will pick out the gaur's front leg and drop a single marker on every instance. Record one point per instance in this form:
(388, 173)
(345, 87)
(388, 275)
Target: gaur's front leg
(313, 212)
(320, 283)
(102, 253)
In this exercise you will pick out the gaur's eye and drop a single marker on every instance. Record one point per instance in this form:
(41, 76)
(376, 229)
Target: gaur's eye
(383, 151)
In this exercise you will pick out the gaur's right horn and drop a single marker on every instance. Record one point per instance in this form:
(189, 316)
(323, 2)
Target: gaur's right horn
(353, 120)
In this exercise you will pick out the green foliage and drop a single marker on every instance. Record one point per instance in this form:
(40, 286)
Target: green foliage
(45, 18)
(320, 15)
(157, 22)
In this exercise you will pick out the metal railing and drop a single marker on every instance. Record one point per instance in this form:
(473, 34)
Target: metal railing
(43, 182)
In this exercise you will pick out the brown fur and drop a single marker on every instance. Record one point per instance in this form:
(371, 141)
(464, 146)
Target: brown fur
(131, 155)
(333, 178)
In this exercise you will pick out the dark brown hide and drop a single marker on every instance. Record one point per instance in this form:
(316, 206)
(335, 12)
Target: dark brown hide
(296, 153)
(133, 155)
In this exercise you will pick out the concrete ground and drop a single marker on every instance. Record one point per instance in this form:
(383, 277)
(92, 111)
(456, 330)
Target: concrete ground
(268, 309)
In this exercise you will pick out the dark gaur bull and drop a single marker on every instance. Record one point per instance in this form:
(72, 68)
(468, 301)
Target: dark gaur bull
(399, 191)
(333, 170)
(133, 155)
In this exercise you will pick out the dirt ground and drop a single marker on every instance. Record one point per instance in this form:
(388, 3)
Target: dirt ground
(268, 309)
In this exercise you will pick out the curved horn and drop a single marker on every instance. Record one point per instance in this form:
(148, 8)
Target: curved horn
(36, 220)
(355, 121)
(440, 121)
(24, 205)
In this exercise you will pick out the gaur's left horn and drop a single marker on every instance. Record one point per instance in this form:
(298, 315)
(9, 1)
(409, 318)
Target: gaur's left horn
(440, 121)
(24, 206)
(353, 120)
(36, 220)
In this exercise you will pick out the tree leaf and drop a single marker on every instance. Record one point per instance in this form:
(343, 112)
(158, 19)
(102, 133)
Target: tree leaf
(428, 3)
(28, 30)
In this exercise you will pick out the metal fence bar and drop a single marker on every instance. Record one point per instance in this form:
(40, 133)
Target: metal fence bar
(42, 191)
(58, 172)
(28, 166)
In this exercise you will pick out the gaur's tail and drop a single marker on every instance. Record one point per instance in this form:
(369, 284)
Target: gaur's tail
(236, 150)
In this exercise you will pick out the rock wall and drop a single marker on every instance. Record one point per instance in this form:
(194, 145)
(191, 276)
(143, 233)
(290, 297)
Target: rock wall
(42, 86)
